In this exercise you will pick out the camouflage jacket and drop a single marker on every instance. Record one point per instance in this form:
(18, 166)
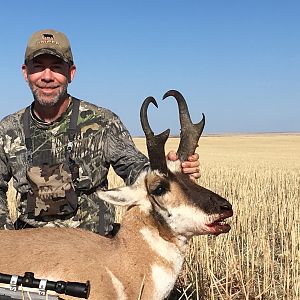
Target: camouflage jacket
(101, 141)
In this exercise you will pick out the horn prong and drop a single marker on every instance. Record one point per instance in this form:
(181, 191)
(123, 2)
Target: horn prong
(189, 133)
(155, 143)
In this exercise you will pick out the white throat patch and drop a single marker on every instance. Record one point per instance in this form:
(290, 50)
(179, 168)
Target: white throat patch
(163, 281)
(161, 247)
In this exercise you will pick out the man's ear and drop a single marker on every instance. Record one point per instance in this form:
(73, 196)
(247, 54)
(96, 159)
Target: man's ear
(72, 72)
(25, 72)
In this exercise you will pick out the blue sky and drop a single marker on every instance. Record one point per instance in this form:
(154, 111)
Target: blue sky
(236, 61)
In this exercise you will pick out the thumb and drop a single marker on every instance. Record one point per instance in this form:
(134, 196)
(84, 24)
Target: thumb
(172, 155)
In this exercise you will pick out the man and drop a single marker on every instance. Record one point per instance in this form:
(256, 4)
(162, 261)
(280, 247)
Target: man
(59, 149)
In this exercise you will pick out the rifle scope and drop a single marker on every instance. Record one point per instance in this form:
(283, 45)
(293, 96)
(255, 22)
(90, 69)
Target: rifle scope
(75, 289)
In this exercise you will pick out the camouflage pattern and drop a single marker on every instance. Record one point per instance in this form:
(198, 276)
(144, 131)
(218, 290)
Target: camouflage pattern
(52, 191)
(102, 141)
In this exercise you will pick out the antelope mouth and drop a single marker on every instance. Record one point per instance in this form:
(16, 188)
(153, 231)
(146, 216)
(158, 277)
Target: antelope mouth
(219, 225)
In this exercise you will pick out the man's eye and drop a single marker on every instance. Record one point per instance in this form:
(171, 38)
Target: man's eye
(56, 68)
(38, 68)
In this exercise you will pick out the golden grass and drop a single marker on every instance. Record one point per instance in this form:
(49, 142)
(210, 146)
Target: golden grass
(260, 257)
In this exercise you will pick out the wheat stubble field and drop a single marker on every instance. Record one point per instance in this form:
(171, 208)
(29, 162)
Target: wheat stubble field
(260, 257)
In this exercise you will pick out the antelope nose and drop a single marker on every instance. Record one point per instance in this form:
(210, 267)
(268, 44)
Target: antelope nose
(226, 206)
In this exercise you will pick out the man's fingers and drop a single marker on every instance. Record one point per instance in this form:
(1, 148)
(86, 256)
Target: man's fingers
(172, 155)
(193, 157)
(195, 170)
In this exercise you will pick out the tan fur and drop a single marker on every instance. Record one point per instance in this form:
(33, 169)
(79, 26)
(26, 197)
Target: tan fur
(77, 255)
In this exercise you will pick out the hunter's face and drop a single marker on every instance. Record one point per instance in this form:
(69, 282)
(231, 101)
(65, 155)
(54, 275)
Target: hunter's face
(48, 77)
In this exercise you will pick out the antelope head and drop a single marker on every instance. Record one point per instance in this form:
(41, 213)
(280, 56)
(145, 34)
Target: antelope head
(164, 192)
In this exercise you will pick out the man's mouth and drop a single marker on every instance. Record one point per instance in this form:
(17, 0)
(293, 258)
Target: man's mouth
(47, 90)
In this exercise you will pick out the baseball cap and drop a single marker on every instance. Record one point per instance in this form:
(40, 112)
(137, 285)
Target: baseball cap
(49, 41)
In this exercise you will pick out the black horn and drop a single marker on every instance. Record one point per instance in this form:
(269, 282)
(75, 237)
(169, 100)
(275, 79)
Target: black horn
(189, 133)
(155, 143)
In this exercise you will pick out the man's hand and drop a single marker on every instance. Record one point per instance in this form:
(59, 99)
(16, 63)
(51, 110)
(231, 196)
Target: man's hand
(190, 167)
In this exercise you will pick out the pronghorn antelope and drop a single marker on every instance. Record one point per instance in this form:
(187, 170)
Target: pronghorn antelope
(165, 209)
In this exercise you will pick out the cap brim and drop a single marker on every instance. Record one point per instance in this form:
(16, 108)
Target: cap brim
(47, 51)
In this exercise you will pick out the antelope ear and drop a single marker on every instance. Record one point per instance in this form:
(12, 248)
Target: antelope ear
(123, 196)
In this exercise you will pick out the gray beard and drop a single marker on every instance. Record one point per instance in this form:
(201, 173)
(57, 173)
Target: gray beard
(61, 96)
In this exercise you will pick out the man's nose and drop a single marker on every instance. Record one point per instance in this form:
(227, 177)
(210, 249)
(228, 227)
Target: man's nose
(47, 74)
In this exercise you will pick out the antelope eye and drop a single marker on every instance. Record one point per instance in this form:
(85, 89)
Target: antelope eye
(159, 191)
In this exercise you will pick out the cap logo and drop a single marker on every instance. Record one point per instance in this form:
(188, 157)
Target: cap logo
(48, 38)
